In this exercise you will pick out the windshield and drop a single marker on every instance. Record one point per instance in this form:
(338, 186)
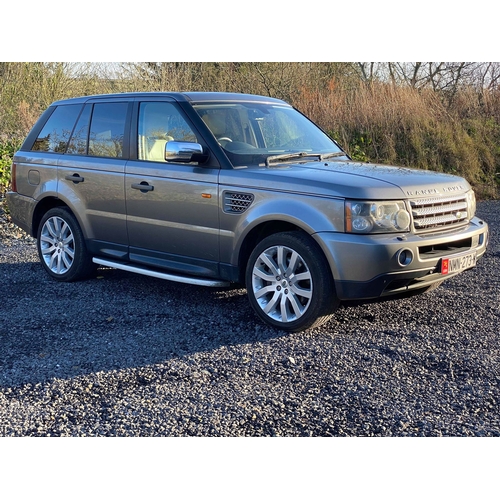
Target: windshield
(250, 133)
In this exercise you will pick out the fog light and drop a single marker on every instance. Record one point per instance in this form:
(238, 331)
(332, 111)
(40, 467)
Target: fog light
(404, 257)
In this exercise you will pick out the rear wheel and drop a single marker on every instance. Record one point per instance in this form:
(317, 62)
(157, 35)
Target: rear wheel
(289, 282)
(61, 246)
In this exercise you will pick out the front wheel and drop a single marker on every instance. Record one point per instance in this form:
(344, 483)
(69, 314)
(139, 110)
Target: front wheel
(61, 246)
(289, 282)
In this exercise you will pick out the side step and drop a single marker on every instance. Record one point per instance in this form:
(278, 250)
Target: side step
(158, 274)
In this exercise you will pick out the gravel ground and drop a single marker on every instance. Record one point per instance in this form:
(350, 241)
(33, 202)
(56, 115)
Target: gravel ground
(126, 355)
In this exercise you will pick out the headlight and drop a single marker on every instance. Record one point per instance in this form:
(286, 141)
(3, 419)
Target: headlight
(376, 217)
(471, 204)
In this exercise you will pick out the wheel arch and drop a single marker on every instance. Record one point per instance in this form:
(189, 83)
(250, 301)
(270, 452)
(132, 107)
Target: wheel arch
(49, 202)
(298, 301)
(61, 245)
(280, 212)
(42, 207)
(263, 230)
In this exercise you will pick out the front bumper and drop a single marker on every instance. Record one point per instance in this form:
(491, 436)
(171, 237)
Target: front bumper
(373, 266)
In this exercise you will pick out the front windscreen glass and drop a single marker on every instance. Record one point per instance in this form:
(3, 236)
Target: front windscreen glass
(250, 133)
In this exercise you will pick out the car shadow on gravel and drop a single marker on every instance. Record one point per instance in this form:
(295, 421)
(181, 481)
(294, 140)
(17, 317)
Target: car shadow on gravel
(116, 321)
(120, 320)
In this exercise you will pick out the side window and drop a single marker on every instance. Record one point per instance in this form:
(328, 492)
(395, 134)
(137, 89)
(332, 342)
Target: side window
(78, 143)
(159, 123)
(107, 129)
(55, 134)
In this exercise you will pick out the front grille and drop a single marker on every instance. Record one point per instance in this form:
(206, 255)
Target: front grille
(237, 203)
(439, 213)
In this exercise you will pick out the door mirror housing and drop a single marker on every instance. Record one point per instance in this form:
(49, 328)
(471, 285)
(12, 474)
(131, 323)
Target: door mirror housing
(185, 152)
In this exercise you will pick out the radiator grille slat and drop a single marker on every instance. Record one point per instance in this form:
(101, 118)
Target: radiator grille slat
(435, 213)
(426, 211)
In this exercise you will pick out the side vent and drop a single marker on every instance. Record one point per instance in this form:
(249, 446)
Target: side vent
(237, 203)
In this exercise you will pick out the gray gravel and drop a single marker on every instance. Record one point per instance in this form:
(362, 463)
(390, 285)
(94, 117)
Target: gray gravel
(126, 355)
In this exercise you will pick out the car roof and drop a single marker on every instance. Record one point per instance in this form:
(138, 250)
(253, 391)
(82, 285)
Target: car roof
(178, 96)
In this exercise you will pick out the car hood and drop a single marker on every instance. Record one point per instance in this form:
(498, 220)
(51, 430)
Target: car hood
(346, 179)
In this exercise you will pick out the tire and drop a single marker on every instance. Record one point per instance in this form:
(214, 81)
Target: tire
(289, 282)
(61, 247)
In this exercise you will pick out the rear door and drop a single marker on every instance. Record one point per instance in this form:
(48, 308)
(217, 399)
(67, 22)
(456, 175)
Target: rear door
(172, 208)
(91, 174)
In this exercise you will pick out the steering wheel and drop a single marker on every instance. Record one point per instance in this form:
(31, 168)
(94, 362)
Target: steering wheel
(225, 139)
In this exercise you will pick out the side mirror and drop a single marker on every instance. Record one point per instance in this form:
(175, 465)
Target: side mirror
(184, 152)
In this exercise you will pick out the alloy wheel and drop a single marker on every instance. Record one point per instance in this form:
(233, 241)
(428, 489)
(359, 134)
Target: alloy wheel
(57, 245)
(282, 284)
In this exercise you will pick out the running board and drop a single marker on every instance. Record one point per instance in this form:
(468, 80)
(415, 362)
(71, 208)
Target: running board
(157, 274)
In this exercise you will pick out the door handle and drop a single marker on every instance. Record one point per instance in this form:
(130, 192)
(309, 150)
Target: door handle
(74, 178)
(143, 187)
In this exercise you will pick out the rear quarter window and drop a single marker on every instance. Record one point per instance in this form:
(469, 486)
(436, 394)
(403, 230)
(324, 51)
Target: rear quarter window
(55, 134)
(79, 139)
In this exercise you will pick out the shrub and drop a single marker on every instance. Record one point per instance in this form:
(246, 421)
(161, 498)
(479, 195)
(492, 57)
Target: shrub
(7, 150)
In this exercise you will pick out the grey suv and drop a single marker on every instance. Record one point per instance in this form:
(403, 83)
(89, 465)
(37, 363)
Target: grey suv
(218, 189)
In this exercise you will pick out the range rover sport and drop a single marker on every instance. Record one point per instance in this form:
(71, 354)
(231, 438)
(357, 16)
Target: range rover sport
(216, 189)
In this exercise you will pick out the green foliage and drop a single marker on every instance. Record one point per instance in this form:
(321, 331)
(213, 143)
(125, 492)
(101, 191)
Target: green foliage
(7, 150)
(357, 147)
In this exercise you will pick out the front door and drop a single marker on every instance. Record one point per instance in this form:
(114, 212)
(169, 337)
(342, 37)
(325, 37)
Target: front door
(172, 209)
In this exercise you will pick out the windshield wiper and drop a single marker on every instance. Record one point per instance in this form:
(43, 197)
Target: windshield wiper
(300, 155)
(332, 155)
(291, 156)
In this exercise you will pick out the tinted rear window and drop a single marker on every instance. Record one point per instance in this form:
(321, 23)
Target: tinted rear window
(55, 134)
(107, 129)
(78, 143)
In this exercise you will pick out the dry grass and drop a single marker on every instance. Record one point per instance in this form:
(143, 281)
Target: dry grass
(391, 124)
(379, 122)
